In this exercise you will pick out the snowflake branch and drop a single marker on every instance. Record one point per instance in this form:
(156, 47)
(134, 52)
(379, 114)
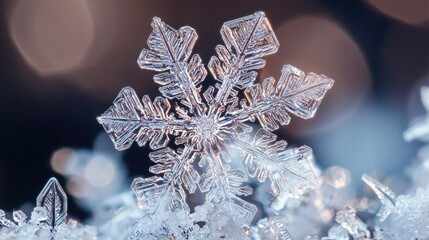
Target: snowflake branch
(129, 120)
(247, 40)
(54, 200)
(224, 185)
(295, 93)
(167, 191)
(288, 170)
(170, 50)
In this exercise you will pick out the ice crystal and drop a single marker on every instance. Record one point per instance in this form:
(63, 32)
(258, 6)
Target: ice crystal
(272, 228)
(210, 127)
(54, 200)
(48, 219)
(347, 219)
(409, 213)
(386, 196)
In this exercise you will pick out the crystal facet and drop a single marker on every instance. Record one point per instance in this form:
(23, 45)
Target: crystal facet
(54, 200)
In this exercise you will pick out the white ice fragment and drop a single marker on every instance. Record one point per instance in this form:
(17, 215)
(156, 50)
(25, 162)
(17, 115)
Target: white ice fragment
(337, 232)
(273, 228)
(354, 225)
(380, 234)
(4, 222)
(38, 215)
(19, 217)
(387, 197)
(411, 214)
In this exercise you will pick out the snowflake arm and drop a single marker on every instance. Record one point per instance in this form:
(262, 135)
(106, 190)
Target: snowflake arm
(169, 50)
(288, 170)
(223, 186)
(247, 40)
(129, 120)
(295, 93)
(348, 219)
(168, 191)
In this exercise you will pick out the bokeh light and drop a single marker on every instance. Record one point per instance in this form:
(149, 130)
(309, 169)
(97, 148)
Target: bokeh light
(91, 45)
(52, 36)
(61, 160)
(320, 45)
(370, 141)
(412, 12)
(92, 176)
(78, 187)
(100, 171)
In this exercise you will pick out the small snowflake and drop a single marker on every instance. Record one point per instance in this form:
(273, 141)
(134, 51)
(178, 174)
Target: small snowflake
(208, 127)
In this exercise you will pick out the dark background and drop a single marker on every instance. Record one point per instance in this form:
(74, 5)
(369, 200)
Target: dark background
(62, 64)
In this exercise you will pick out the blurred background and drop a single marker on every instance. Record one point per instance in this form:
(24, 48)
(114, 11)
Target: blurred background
(62, 63)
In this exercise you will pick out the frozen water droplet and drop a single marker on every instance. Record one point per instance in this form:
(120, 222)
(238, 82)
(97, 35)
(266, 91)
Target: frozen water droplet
(39, 215)
(19, 217)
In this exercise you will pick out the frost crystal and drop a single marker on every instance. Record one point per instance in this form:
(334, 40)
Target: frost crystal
(54, 200)
(48, 219)
(273, 228)
(348, 220)
(409, 213)
(386, 196)
(210, 127)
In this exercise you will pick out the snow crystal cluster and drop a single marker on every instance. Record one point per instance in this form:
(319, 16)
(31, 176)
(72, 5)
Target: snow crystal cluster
(199, 189)
(47, 221)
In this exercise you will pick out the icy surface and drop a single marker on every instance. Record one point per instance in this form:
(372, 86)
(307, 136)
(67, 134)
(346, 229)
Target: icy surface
(210, 127)
(406, 214)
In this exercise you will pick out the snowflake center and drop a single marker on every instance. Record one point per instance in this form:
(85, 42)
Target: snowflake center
(207, 127)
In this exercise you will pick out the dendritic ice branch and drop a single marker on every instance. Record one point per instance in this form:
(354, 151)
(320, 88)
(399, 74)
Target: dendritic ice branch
(206, 126)
(54, 200)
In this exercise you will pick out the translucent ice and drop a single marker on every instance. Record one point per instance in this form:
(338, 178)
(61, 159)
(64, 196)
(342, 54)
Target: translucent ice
(210, 126)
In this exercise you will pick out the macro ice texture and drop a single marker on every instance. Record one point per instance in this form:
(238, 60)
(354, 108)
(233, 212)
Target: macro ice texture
(407, 215)
(209, 127)
(47, 220)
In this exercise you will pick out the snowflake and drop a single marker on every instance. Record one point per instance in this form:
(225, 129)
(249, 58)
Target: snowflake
(209, 128)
